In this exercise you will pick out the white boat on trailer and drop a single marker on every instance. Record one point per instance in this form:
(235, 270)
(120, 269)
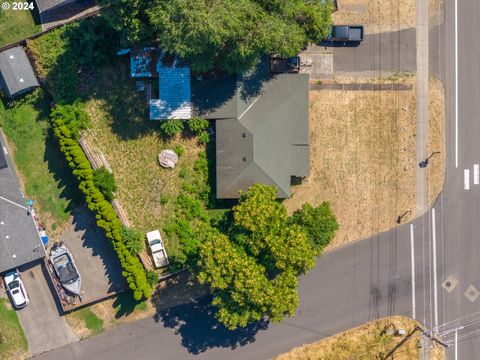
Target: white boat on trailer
(65, 269)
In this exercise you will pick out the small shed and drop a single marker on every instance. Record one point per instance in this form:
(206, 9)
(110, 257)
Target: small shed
(174, 92)
(16, 72)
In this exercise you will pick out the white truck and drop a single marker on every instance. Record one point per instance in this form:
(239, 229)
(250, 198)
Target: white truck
(157, 248)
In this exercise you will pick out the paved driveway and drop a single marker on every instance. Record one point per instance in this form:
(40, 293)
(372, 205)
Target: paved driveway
(94, 255)
(44, 328)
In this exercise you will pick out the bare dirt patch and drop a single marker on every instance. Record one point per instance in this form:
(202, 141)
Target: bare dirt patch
(383, 16)
(368, 341)
(363, 157)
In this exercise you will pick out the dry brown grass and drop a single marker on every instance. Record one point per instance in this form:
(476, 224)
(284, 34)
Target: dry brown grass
(436, 139)
(363, 157)
(379, 16)
(364, 342)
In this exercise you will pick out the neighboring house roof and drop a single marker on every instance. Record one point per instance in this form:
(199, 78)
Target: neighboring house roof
(19, 239)
(45, 5)
(261, 131)
(174, 93)
(16, 72)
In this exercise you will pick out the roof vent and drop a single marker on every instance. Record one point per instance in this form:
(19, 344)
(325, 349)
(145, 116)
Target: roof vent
(244, 135)
(244, 158)
(12, 57)
(21, 80)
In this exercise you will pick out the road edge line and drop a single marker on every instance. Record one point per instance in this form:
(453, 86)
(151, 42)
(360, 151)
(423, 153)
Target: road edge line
(412, 257)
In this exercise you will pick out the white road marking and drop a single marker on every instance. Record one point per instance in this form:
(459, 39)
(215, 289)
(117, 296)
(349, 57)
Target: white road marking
(466, 181)
(456, 85)
(5, 150)
(434, 244)
(412, 247)
(476, 174)
(13, 203)
(456, 344)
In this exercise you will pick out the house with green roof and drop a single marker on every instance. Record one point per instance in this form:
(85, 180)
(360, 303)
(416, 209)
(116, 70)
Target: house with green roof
(262, 132)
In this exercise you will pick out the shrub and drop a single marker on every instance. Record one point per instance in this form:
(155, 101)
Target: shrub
(319, 223)
(106, 216)
(73, 117)
(105, 182)
(183, 173)
(172, 127)
(164, 199)
(152, 278)
(179, 150)
(133, 239)
(204, 137)
(197, 125)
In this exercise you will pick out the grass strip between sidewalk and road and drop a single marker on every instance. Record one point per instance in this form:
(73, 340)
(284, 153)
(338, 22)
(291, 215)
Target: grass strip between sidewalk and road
(366, 342)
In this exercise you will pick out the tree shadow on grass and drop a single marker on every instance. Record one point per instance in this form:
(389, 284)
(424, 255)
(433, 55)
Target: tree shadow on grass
(195, 322)
(125, 304)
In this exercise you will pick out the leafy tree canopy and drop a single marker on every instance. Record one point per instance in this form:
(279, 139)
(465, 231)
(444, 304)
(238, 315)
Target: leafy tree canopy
(224, 34)
(254, 272)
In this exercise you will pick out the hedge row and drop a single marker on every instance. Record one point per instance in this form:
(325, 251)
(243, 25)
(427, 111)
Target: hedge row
(106, 216)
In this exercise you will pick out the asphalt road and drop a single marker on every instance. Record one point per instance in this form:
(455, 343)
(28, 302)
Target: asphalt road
(368, 279)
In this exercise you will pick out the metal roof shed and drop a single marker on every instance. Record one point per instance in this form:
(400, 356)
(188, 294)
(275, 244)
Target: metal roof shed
(16, 72)
(174, 92)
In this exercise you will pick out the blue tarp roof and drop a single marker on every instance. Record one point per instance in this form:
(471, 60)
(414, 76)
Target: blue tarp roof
(174, 89)
(143, 62)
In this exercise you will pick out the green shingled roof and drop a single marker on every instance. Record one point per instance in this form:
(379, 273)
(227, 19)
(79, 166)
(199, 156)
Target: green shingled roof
(262, 133)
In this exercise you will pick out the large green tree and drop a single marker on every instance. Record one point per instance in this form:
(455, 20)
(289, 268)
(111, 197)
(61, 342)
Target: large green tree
(254, 272)
(224, 34)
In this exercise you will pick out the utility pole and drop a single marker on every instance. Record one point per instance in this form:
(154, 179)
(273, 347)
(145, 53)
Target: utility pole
(409, 335)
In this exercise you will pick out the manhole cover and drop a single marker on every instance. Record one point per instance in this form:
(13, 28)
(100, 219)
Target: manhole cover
(472, 293)
(450, 283)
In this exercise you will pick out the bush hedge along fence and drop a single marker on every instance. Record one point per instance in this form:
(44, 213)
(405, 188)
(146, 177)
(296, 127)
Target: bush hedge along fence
(65, 125)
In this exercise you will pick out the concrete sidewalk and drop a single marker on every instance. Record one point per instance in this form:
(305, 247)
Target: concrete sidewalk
(422, 106)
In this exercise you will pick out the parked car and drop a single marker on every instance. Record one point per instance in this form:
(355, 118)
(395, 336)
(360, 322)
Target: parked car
(157, 248)
(16, 290)
(346, 33)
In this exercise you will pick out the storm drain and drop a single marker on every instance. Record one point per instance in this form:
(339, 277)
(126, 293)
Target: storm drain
(450, 283)
(472, 293)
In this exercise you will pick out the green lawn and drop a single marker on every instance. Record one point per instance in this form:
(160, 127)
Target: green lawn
(17, 24)
(13, 343)
(42, 168)
(91, 321)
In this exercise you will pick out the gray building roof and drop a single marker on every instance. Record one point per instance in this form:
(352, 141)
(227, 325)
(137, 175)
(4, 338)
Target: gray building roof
(261, 132)
(46, 5)
(19, 239)
(16, 72)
